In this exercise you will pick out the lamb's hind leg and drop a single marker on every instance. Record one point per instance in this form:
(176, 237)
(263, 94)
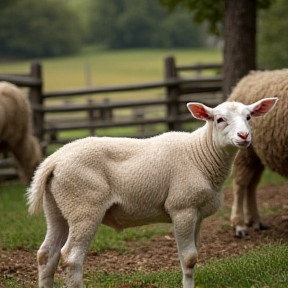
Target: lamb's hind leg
(81, 233)
(49, 253)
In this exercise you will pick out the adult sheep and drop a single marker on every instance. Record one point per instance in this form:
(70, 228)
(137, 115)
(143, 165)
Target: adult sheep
(269, 145)
(16, 131)
(174, 177)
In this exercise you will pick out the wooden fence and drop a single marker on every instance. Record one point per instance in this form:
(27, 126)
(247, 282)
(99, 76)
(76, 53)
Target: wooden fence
(178, 89)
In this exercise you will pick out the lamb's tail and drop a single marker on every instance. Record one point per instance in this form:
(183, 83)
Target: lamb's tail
(37, 189)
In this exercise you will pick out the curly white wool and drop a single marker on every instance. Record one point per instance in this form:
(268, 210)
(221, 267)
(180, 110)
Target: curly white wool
(174, 177)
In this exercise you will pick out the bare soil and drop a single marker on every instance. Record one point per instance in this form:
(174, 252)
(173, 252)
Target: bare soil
(160, 253)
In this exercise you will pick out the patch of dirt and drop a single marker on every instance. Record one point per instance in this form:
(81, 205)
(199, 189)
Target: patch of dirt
(160, 253)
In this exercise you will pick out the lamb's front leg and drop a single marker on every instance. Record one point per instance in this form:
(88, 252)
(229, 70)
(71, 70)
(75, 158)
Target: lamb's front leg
(186, 229)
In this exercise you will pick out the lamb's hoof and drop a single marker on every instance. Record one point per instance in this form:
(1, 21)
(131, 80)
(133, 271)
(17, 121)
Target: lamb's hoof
(241, 231)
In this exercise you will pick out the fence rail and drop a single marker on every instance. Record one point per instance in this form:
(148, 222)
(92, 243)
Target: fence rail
(175, 86)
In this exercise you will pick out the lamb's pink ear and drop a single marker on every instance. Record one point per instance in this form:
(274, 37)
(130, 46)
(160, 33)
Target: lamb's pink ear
(200, 111)
(262, 106)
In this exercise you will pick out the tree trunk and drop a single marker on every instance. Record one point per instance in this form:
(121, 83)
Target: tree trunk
(239, 42)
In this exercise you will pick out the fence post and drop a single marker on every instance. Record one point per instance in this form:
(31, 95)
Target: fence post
(106, 113)
(91, 117)
(172, 94)
(35, 96)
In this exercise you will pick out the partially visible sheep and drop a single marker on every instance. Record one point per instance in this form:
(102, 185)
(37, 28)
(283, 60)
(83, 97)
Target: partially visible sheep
(16, 131)
(174, 177)
(269, 145)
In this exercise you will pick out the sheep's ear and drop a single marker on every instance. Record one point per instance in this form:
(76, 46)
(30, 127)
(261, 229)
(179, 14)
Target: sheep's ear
(200, 111)
(262, 106)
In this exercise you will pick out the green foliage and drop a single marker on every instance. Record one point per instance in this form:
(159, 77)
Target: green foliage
(33, 28)
(6, 3)
(129, 24)
(273, 45)
(210, 11)
(204, 10)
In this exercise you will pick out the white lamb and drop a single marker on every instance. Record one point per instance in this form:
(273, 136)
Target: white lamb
(174, 177)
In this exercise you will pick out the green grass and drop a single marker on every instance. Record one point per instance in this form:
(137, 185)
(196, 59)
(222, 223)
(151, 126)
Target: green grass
(115, 67)
(263, 267)
(266, 266)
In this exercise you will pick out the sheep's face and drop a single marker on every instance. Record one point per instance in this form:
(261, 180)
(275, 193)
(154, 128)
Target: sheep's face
(231, 125)
(230, 121)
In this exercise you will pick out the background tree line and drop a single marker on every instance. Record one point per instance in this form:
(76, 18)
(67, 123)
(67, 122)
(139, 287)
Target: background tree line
(53, 28)
(33, 28)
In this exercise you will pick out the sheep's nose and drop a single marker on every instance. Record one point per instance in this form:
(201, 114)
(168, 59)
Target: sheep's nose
(243, 135)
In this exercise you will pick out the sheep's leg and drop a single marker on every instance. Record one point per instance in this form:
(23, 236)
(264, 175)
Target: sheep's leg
(244, 166)
(74, 250)
(251, 214)
(237, 213)
(186, 229)
(49, 253)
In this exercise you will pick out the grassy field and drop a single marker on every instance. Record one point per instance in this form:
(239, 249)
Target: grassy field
(111, 67)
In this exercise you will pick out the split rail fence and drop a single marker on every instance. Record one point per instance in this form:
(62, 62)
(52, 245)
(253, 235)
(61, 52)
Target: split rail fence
(177, 89)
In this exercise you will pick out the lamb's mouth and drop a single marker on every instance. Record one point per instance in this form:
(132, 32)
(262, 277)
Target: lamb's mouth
(242, 144)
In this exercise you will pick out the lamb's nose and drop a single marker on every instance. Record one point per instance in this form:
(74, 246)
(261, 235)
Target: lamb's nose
(243, 135)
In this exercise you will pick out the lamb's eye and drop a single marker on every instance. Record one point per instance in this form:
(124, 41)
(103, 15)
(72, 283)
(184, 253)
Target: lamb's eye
(219, 120)
(248, 117)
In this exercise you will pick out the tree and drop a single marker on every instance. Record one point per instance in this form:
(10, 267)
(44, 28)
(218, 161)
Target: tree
(33, 28)
(6, 3)
(235, 20)
(240, 41)
(130, 23)
(273, 44)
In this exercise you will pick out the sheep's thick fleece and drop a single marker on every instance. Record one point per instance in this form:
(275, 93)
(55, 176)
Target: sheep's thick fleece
(16, 129)
(269, 145)
(270, 133)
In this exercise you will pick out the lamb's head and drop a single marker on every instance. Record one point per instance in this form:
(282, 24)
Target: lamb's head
(230, 120)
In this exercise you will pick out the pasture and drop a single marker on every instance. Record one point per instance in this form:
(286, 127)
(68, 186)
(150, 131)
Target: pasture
(145, 257)
(109, 68)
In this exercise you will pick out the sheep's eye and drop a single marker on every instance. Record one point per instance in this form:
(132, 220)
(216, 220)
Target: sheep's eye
(219, 120)
(248, 117)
